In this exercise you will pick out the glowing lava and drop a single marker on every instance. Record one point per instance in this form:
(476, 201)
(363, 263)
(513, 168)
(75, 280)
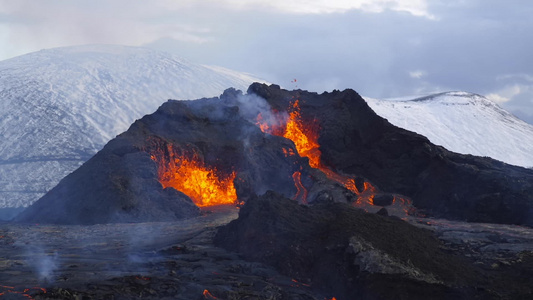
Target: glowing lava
(301, 191)
(7, 290)
(187, 173)
(208, 295)
(304, 135)
(305, 138)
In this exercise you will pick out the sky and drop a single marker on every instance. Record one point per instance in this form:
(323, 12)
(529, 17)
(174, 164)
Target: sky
(380, 48)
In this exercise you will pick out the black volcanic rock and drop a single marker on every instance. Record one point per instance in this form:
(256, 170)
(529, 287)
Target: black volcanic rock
(383, 200)
(355, 140)
(383, 212)
(346, 253)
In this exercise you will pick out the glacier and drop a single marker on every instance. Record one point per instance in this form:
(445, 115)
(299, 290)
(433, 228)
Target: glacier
(58, 107)
(462, 122)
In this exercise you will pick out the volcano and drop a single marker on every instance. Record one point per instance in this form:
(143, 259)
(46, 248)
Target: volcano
(306, 146)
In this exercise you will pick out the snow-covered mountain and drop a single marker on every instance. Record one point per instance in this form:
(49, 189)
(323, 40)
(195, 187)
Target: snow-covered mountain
(58, 107)
(464, 123)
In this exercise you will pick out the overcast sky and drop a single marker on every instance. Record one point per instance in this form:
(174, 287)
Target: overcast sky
(380, 48)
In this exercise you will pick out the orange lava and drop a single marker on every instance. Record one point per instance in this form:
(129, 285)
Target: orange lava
(301, 191)
(207, 295)
(298, 283)
(205, 185)
(305, 138)
(24, 293)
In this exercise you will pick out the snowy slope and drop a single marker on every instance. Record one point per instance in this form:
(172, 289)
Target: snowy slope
(463, 122)
(58, 107)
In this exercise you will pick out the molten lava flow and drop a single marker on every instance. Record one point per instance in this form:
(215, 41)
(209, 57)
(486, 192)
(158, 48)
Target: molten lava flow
(404, 204)
(367, 195)
(207, 295)
(24, 293)
(298, 283)
(301, 191)
(205, 185)
(305, 138)
(364, 197)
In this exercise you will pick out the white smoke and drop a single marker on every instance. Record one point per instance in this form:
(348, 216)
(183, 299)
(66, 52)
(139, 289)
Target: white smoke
(44, 263)
(251, 106)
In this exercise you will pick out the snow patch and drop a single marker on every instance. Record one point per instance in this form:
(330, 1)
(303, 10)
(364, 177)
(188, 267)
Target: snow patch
(463, 122)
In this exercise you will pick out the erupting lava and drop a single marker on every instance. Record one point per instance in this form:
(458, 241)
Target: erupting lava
(305, 138)
(205, 185)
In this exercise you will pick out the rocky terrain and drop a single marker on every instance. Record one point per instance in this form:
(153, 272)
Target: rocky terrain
(343, 251)
(163, 260)
(178, 260)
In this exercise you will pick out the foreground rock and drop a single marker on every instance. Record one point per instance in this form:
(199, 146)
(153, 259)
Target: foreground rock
(349, 254)
(178, 260)
(163, 260)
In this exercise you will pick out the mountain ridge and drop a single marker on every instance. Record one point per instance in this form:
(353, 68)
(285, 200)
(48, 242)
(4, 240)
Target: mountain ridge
(462, 122)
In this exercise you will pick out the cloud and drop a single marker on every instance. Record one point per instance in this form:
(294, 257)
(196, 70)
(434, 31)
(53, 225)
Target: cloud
(521, 105)
(517, 98)
(417, 74)
(507, 93)
(515, 94)
(414, 7)
(34, 25)
(497, 98)
(44, 24)
(381, 48)
(521, 77)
